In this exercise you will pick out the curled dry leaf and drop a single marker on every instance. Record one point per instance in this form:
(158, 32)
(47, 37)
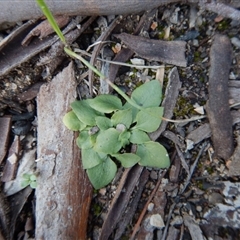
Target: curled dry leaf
(44, 29)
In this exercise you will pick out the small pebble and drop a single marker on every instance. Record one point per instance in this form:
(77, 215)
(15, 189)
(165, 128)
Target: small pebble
(199, 208)
(236, 42)
(215, 197)
(153, 175)
(137, 61)
(103, 191)
(195, 42)
(150, 207)
(157, 221)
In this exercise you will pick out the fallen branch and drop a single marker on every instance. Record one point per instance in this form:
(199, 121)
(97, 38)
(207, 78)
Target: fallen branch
(24, 10)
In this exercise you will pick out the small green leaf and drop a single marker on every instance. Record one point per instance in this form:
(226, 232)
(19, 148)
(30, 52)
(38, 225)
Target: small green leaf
(102, 174)
(25, 183)
(90, 158)
(72, 122)
(108, 141)
(84, 112)
(148, 95)
(84, 140)
(103, 123)
(106, 103)
(124, 138)
(33, 184)
(138, 137)
(33, 177)
(127, 159)
(26, 176)
(149, 119)
(122, 117)
(135, 111)
(153, 154)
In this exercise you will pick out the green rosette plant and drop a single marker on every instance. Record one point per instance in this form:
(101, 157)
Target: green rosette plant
(107, 125)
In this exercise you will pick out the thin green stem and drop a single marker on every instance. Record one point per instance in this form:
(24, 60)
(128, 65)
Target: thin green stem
(56, 28)
(43, 6)
(117, 89)
(74, 55)
(125, 96)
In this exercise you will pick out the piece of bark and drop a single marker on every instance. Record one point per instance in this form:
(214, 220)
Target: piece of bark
(120, 201)
(193, 227)
(53, 58)
(10, 167)
(234, 91)
(234, 169)
(172, 52)
(217, 106)
(4, 217)
(174, 138)
(169, 101)
(63, 194)
(131, 209)
(15, 33)
(221, 9)
(200, 133)
(235, 116)
(24, 10)
(175, 170)
(14, 54)
(31, 93)
(5, 126)
(44, 29)
(30, 10)
(17, 202)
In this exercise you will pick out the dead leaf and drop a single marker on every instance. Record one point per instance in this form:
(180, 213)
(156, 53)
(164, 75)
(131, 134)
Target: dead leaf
(12, 161)
(218, 110)
(5, 125)
(172, 52)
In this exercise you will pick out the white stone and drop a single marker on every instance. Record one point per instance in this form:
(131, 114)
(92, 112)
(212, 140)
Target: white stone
(137, 61)
(236, 42)
(157, 221)
(150, 207)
